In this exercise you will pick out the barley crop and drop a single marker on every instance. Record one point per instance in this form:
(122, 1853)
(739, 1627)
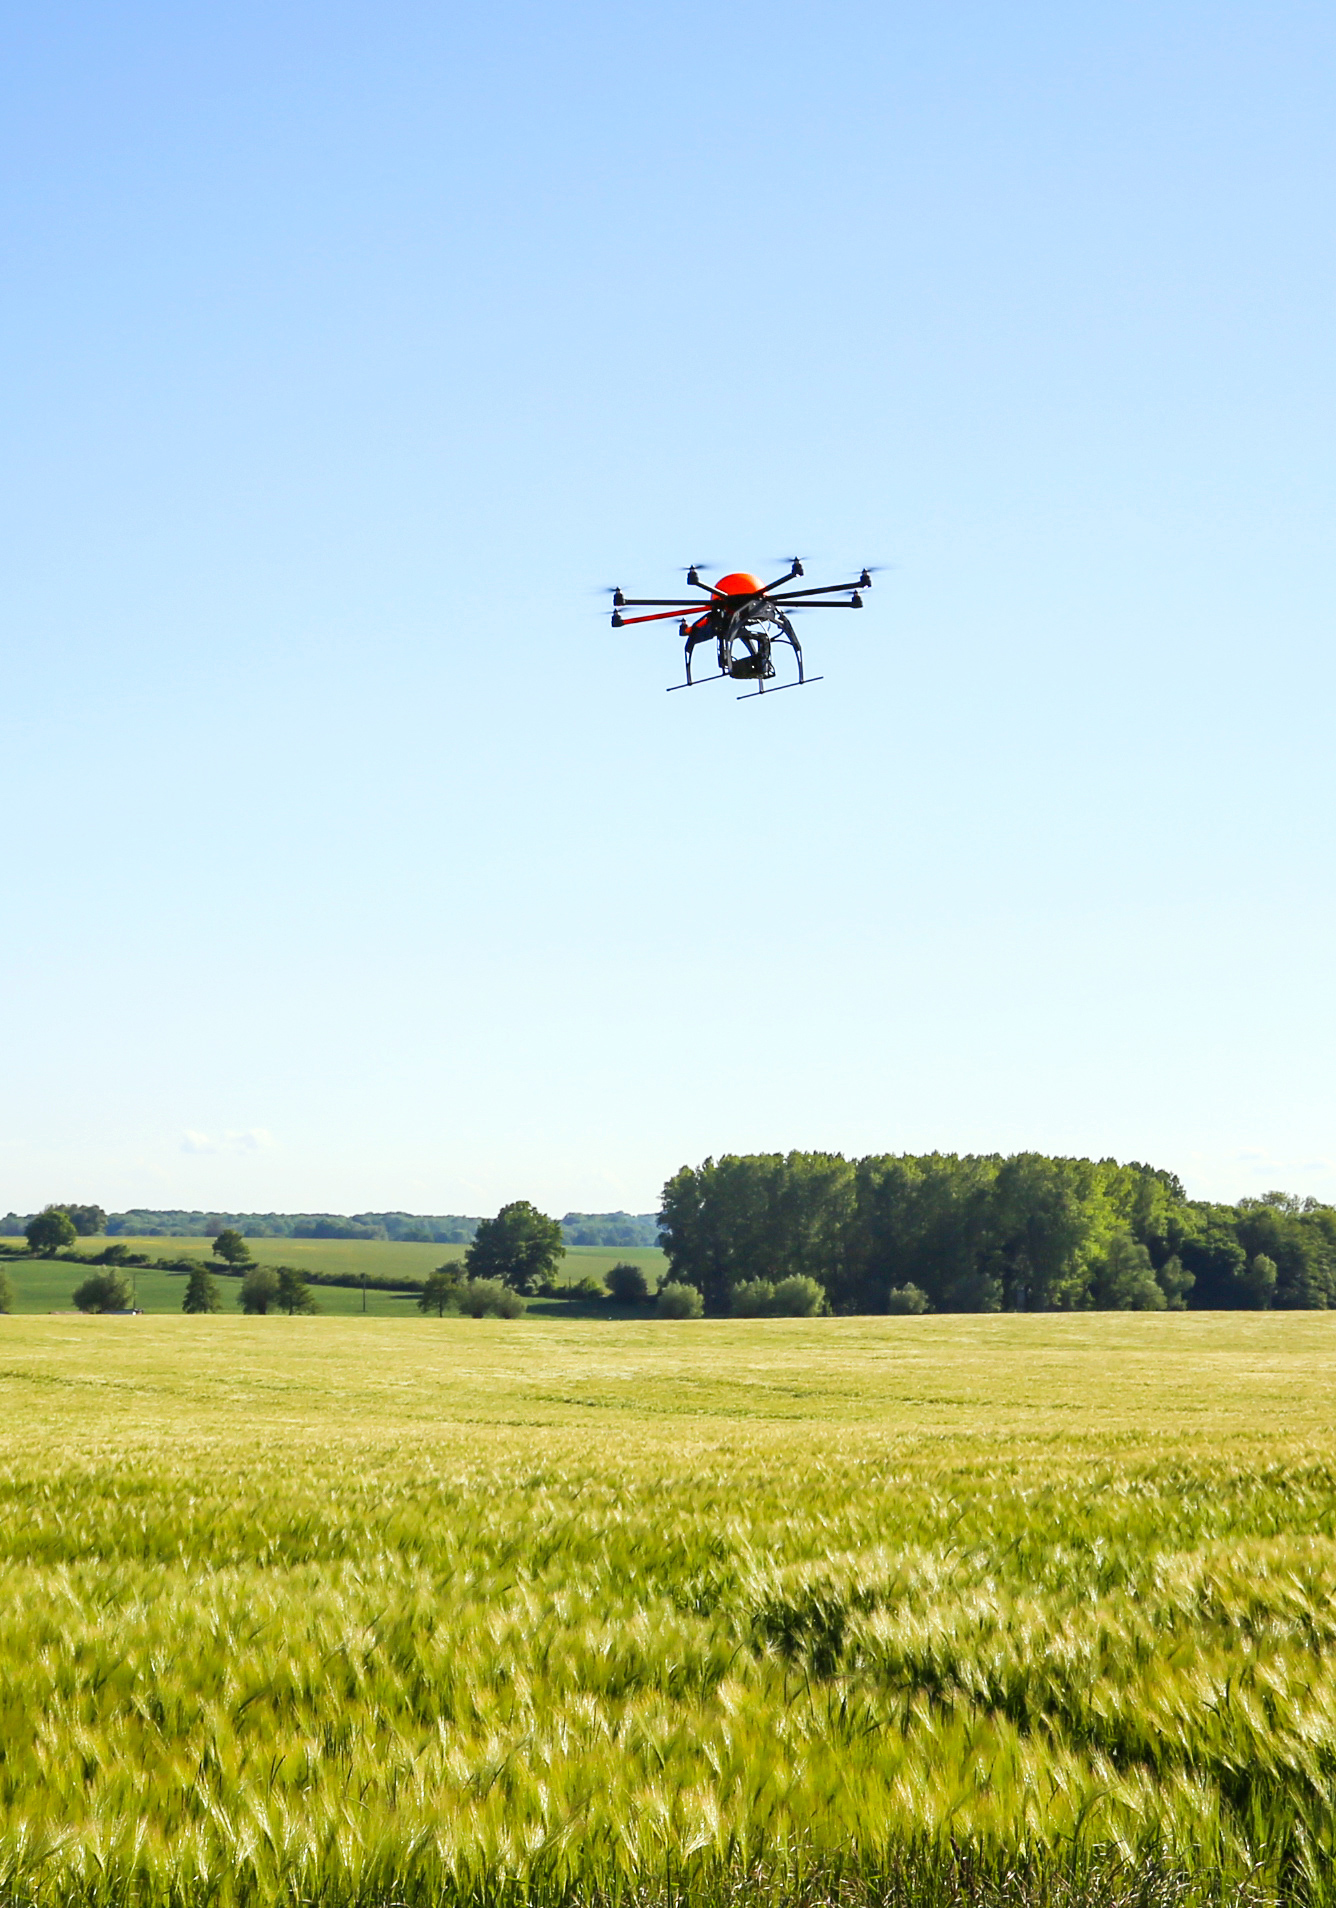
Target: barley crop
(333, 1611)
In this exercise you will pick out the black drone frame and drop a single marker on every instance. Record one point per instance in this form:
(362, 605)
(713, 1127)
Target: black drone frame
(756, 621)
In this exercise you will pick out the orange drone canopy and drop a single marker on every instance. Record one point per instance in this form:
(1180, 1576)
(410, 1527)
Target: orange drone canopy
(739, 583)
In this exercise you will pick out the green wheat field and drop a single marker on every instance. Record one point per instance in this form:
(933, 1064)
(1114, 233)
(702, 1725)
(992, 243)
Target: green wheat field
(925, 1610)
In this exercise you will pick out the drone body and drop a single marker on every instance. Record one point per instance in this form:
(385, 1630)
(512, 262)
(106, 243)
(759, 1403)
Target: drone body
(745, 619)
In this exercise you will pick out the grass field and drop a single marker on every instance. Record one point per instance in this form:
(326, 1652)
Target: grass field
(937, 1610)
(44, 1285)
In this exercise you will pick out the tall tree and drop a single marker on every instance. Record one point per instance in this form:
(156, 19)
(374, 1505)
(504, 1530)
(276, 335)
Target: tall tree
(230, 1245)
(521, 1245)
(294, 1294)
(201, 1291)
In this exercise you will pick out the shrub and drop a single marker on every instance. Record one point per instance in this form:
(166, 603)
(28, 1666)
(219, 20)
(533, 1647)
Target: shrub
(627, 1283)
(490, 1298)
(259, 1291)
(754, 1298)
(585, 1288)
(680, 1301)
(103, 1292)
(904, 1300)
(798, 1297)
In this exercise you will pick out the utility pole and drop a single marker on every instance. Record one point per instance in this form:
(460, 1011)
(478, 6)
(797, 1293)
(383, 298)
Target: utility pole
(364, 1291)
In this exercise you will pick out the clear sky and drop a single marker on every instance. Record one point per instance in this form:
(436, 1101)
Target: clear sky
(352, 860)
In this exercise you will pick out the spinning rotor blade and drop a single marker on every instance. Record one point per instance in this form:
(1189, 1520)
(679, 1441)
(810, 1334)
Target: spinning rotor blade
(795, 569)
(662, 602)
(864, 582)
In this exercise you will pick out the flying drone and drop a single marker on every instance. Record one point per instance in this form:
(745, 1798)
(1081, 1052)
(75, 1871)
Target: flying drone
(744, 618)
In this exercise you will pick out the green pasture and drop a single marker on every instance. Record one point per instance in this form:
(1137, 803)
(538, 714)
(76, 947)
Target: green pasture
(1017, 1610)
(45, 1285)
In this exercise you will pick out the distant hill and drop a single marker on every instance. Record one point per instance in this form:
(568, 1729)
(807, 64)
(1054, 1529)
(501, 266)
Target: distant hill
(142, 1222)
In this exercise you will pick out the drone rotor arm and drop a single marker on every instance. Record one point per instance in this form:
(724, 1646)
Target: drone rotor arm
(662, 616)
(822, 589)
(796, 604)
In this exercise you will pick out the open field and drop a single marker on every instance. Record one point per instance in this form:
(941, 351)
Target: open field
(929, 1610)
(44, 1285)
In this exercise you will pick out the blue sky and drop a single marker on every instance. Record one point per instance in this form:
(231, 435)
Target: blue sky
(351, 860)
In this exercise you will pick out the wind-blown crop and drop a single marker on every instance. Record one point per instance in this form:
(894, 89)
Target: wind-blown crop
(898, 1611)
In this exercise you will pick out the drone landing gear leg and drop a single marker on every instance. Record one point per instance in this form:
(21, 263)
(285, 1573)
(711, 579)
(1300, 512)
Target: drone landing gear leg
(693, 636)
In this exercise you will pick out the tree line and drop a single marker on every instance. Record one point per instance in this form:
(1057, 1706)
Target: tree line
(986, 1233)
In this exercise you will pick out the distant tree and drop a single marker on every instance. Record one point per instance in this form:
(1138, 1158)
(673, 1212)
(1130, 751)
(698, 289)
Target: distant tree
(201, 1292)
(118, 1254)
(1175, 1281)
(49, 1231)
(259, 1291)
(103, 1292)
(1126, 1281)
(6, 1292)
(906, 1301)
(627, 1284)
(441, 1289)
(521, 1245)
(680, 1301)
(231, 1246)
(1260, 1280)
(294, 1294)
(88, 1221)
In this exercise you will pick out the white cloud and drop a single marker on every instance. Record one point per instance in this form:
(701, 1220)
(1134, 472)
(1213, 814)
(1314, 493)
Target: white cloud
(252, 1139)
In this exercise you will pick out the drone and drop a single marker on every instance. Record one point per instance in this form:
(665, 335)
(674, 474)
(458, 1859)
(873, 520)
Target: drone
(745, 619)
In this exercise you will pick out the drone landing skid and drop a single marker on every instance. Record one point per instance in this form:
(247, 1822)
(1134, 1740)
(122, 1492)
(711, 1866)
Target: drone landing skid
(800, 684)
(695, 682)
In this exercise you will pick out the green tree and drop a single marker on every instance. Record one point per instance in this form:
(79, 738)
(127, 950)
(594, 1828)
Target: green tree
(441, 1289)
(627, 1284)
(103, 1292)
(521, 1245)
(88, 1221)
(679, 1301)
(50, 1231)
(1260, 1280)
(6, 1292)
(1126, 1281)
(201, 1292)
(259, 1291)
(231, 1246)
(1175, 1281)
(294, 1294)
